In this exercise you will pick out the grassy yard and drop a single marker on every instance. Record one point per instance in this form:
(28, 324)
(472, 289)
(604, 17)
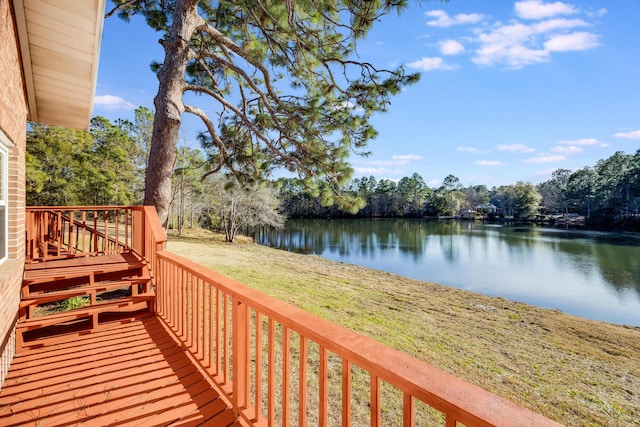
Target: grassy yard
(576, 371)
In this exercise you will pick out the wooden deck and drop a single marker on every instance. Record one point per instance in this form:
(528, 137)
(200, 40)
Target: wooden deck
(199, 345)
(133, 374)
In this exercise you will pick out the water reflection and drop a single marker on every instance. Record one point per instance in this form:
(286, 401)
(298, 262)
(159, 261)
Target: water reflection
(590, 274)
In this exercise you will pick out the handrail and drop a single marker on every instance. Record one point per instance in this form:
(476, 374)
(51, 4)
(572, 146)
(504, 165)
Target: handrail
(102, 235)
(62, 231)
(231, 330)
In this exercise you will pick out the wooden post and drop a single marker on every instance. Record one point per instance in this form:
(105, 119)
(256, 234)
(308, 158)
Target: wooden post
(239, 349)
(408, 411)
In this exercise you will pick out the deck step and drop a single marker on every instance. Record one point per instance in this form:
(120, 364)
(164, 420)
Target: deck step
(43, 298)
(53, 275)
(94, 276)
(79, 313)
(83, 320)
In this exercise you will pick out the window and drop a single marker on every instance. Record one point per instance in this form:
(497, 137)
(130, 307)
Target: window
(3, 197)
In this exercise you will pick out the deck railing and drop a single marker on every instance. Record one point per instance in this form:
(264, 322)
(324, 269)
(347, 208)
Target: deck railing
(55, 232)
(58, 232)
(274, 363)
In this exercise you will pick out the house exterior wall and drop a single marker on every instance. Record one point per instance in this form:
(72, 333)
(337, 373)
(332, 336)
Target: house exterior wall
(13, 117)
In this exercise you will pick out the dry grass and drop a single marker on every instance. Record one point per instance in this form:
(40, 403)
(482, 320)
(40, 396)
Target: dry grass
(576, 371)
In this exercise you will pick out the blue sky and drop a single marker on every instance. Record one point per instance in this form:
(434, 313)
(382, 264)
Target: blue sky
(510, 90)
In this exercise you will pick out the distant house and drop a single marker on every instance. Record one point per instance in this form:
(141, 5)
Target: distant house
(487, 208)
(468, 214)
(48, 68)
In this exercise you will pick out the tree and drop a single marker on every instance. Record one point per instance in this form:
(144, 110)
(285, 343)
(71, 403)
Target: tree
(581, 186)
(504, 198)
(241, 55)
(527, 200)
(234, 207)
(142, 131)
(385, 199)
(187, 186)
(295, 201)
(553, 191)
(454, 198)
(365, 190)
(413, 193)
(111, 176)
(56, 160)
(74, 167)
(614, 189)
(477, 195)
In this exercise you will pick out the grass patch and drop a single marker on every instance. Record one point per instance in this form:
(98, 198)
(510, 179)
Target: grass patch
(75, 302)
(576, 371)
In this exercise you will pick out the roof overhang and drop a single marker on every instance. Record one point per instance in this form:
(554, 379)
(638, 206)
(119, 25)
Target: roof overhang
(60, 46)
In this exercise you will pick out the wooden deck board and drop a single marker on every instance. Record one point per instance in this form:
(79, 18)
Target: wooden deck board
(80, 261)
(79, 267)
(131, 374)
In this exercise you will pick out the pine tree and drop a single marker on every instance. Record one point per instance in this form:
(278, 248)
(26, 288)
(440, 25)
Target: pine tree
(283, 80)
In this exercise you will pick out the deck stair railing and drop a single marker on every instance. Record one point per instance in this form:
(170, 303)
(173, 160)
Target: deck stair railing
(63, 232)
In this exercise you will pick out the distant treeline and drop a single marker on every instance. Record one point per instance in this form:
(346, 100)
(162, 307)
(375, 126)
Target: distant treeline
(107, 165)
(607, 195)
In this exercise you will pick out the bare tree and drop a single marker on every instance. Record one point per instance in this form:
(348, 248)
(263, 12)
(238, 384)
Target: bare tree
(237, 207)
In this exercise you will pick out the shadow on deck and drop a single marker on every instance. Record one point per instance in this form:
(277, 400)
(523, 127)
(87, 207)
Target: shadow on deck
(129, 374)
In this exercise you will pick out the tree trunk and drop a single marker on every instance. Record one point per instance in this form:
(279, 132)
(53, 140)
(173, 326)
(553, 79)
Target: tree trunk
(169, 108)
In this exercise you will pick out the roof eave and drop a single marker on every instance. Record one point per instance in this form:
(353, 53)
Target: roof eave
(60, 50)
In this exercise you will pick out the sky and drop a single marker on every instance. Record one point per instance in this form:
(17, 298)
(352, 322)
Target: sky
(509, 90)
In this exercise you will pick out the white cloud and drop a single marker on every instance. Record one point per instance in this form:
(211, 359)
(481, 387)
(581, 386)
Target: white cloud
(431, 64)
(516, 148)
(570, 149)
(510, 44)
(556, 24)
(407, 157)
(597, 13)
(545, 158)
(368, 171)
(442, 18)
(451, 47)
(629, 135)
(348, 105)
(536, 9)
(585, 142)
(518, 44)
(489, 163)
(112, 102)
(538, 30)
(571, 42)
(473, 150)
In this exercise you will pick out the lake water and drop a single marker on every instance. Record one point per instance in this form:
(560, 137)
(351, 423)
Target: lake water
(589, 274)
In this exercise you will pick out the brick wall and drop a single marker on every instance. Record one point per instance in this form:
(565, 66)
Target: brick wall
(13, 116)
